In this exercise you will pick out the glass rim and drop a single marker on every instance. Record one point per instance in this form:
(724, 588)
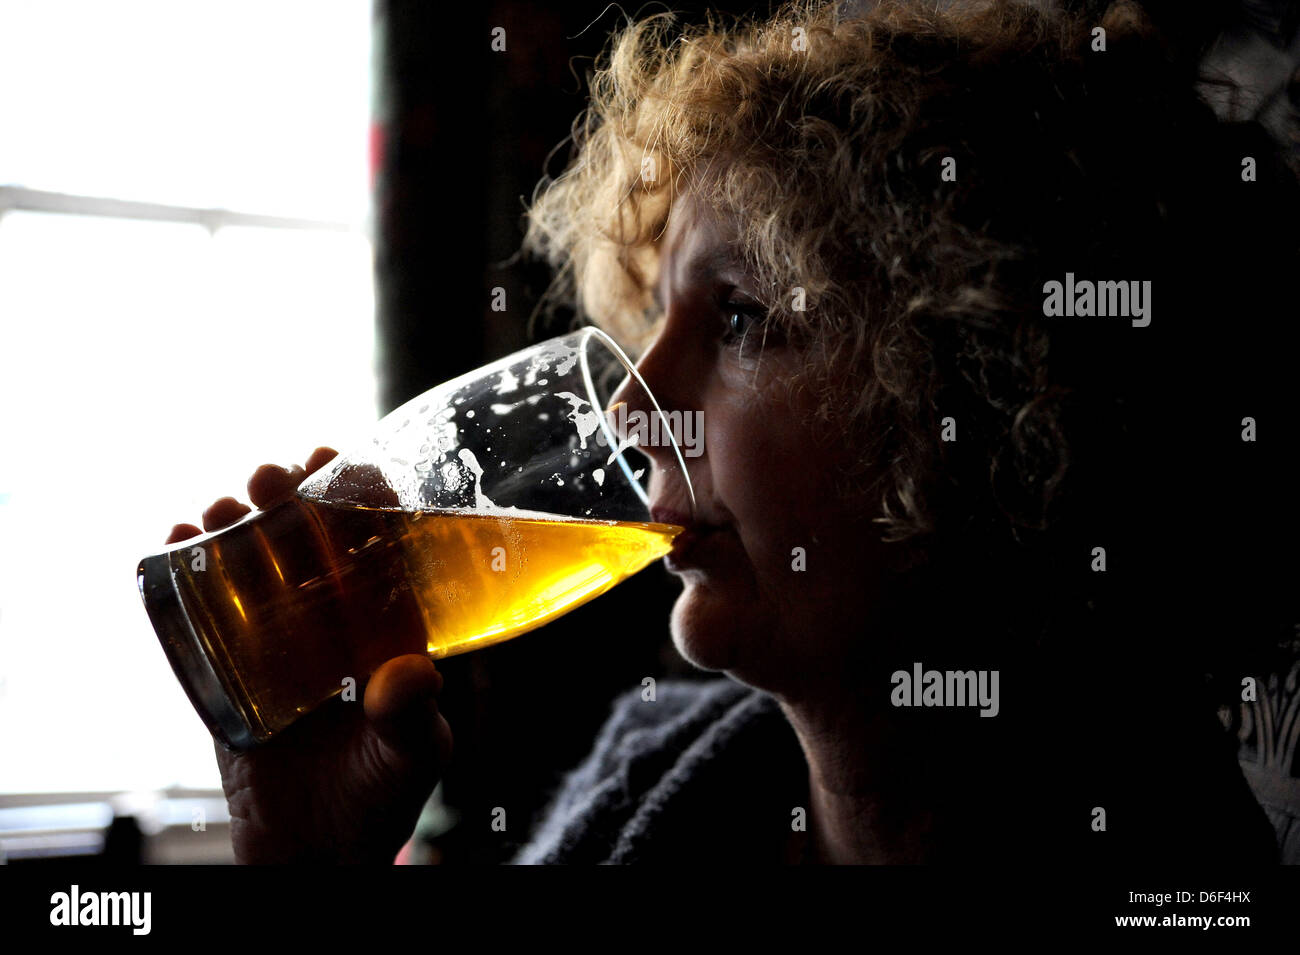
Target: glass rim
(588, 332)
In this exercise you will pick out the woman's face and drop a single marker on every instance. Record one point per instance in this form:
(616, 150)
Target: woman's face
(780, 595)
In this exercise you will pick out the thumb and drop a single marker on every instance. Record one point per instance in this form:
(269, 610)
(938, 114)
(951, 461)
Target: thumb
(401, 703)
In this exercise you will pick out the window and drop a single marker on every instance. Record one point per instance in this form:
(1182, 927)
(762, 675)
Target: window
(185, 293)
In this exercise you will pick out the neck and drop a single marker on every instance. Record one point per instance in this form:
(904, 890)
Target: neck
(889, 786)
(912, 784)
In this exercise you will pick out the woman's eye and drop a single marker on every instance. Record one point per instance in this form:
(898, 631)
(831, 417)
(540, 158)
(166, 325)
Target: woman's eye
(743, 318)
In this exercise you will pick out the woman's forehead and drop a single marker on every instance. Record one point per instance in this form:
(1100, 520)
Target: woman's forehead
(699, 242)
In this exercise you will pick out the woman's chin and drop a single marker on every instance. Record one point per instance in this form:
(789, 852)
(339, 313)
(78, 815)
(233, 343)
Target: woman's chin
(708, 629)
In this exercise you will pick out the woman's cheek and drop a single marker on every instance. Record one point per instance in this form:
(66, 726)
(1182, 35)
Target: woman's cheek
(780, 563)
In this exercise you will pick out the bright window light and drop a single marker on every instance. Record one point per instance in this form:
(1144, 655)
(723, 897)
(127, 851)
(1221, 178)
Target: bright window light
(147, 367)
(241, 104)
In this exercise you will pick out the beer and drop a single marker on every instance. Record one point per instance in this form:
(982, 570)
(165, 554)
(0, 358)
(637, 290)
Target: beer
(289, 603)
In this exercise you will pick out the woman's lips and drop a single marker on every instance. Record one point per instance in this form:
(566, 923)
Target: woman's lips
(693, 546)
(666, 515)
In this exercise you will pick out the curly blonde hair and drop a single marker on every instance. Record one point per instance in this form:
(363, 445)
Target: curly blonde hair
(826, 137)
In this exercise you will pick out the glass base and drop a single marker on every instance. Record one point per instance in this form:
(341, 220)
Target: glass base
(188, 657)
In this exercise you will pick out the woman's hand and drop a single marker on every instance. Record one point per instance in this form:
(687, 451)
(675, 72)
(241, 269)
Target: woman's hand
(344, 783)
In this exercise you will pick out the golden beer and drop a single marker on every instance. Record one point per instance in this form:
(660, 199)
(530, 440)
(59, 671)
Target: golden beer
(290, 603)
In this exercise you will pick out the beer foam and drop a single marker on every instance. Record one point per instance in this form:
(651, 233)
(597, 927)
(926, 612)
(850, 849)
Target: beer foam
(513, 514)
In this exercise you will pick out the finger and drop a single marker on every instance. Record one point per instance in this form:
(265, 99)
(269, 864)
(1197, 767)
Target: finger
(182, 532)
(223, 512)
(362, 484)
(272, 483)
(319, 458)
(399, 684)
(401, 703)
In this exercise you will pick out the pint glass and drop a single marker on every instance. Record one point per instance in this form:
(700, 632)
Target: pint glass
(475, 512)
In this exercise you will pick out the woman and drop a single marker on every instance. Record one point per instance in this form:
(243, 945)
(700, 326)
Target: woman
(975, 310)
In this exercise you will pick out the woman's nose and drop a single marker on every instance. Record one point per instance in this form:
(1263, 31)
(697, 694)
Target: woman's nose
(650, 410)
(654, 387)
(632, 412)
(665, 367)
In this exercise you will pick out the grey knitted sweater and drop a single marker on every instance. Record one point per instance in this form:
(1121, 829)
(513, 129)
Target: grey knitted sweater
(708, 771)
(711, 772)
